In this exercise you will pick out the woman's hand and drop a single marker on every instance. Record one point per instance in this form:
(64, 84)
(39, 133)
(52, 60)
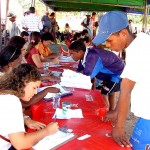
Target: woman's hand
(52, 127)
(52, 90)
(56, 60)
(32, 124)
(51, 78)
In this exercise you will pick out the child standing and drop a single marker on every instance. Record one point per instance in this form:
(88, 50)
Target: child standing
(102, 64)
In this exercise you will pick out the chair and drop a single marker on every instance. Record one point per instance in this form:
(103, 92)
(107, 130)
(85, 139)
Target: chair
(63, 51)
(67, 43)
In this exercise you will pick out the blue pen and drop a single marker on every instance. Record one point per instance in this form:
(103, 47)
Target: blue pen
(55, 117)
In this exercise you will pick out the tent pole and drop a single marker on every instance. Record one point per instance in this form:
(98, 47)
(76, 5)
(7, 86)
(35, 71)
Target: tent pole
(46, 7)
(144, 26)
(7, 8)
(31, 3)
(34, 4)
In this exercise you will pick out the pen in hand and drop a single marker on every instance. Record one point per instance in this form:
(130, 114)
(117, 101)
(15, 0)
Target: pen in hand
(55, 117)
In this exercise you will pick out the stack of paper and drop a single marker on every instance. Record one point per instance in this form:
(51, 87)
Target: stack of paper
(73, 79)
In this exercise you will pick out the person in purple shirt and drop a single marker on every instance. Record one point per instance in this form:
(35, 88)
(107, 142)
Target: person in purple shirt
(102, 64)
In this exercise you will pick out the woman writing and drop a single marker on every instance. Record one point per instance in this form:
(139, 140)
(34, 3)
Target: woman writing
(43, 47)
(10, 57)
(21, 83)
(32, 56)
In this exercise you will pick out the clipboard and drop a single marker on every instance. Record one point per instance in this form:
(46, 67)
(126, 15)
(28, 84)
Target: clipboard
(75, 136)
(54, 141)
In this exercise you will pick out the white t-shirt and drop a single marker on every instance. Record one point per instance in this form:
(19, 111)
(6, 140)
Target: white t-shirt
(11, 118)
(137, 69)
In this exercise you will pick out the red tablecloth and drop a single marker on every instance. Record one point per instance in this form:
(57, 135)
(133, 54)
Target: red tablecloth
(65, 65)
(92, 107)
(91, 123)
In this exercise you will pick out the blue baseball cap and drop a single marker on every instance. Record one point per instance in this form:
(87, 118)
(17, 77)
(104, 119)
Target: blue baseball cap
(109, 23)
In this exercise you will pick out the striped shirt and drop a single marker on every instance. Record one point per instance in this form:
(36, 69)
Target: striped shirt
(32, 22)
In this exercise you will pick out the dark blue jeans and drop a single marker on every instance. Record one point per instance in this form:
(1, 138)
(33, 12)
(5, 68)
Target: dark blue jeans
(11, 148)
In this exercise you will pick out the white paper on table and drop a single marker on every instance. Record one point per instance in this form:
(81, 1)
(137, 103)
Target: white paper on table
(71, 113)
(79, 79)
(43, 75)
(54, 140)
(69, 73)
(76, 85)
(84, 137)
(76, 113)
(73, 79)
(56, 73)
(66, 59)
(62, 92)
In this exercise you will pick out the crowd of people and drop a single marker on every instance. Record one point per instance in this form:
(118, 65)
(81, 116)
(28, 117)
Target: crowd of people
(31, 22)
(25, 52)
(20, 59)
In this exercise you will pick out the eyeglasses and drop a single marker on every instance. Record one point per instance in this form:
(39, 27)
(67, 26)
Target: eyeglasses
(13, 54)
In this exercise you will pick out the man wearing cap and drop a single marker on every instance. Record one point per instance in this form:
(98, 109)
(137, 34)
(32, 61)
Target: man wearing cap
(114, 30)
(14, 30)
(87, 24)
(32, 22)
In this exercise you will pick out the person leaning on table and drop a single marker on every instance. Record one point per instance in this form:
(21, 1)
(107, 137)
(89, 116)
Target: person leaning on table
(135, 85)
(101, 64)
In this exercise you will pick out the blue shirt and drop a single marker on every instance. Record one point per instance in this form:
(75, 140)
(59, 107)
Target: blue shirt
(102, 64)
